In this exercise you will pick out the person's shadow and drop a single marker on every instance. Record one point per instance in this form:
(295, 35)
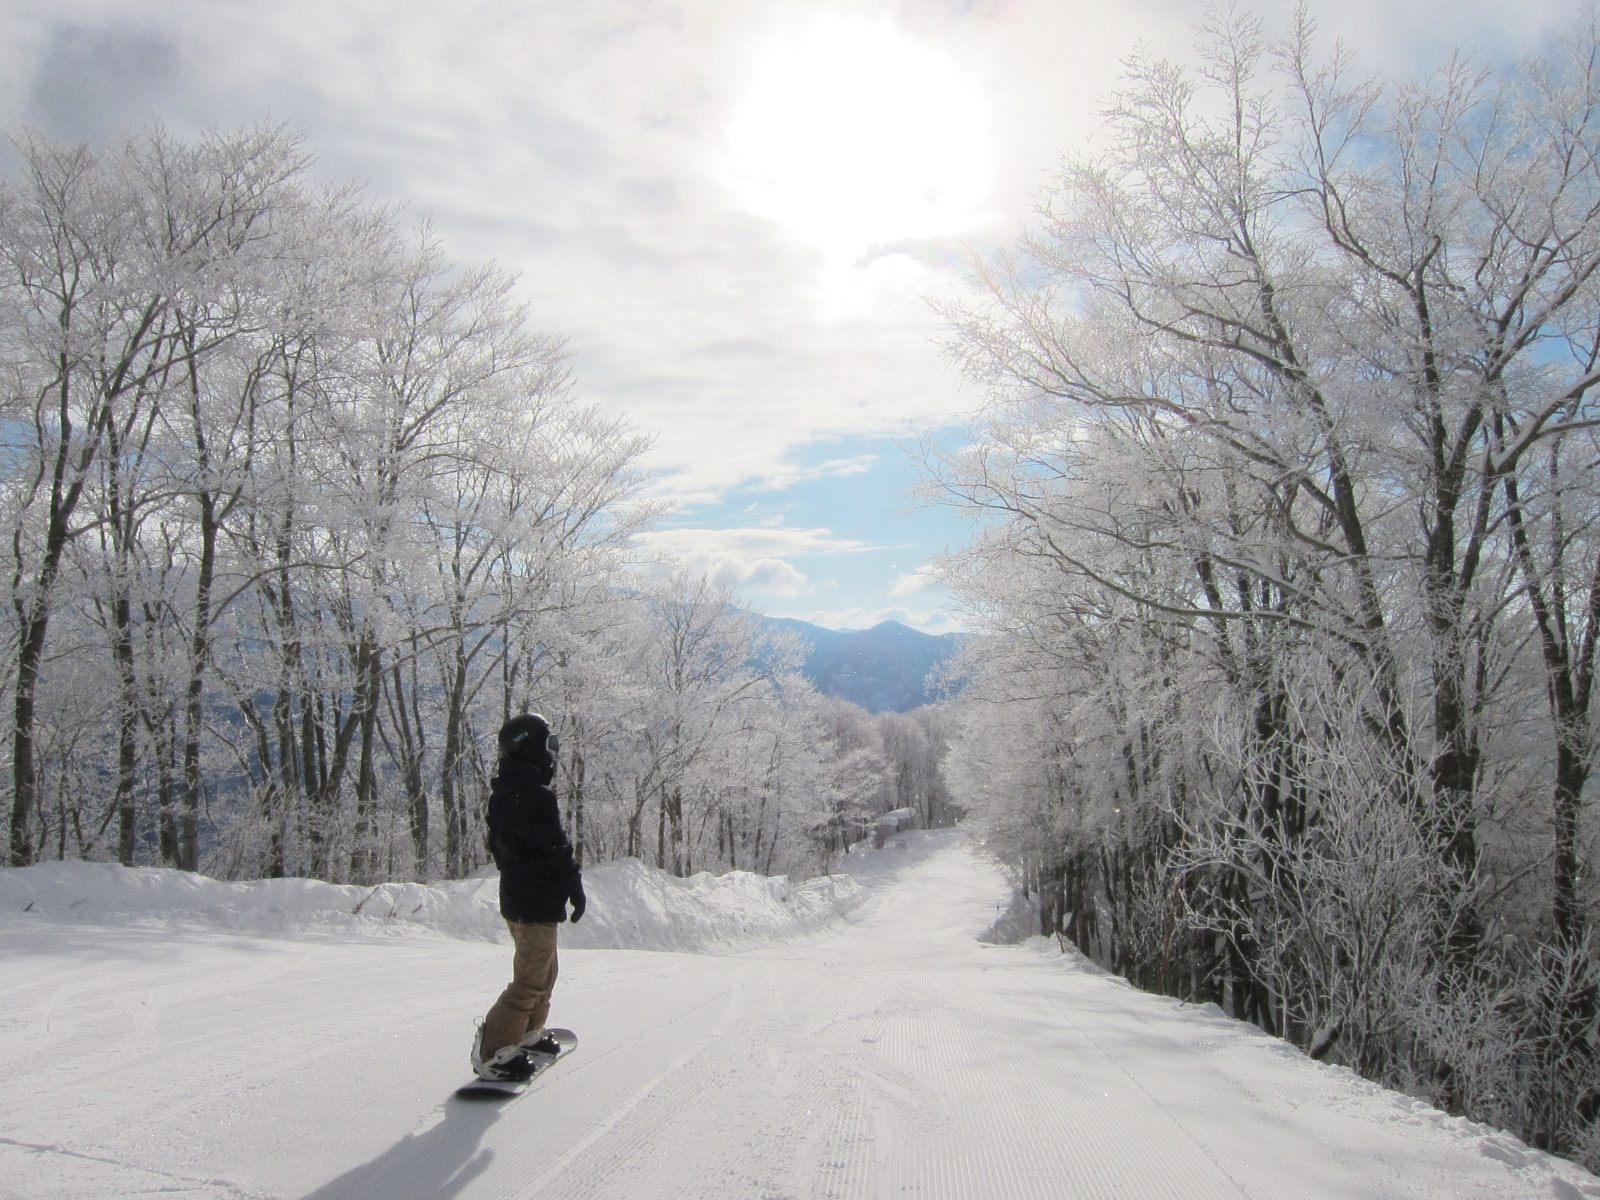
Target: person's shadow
(440, 1161)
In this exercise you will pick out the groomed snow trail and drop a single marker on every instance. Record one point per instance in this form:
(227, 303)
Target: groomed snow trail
(894, 1056)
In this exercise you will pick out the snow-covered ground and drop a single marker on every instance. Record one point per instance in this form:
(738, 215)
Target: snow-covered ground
(852, 1037)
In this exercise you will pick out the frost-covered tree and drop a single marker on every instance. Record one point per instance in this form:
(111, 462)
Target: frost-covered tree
(1287, 464)
(122, 275)
(305, 485)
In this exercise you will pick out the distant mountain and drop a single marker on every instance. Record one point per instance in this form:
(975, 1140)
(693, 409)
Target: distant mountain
(882, 669)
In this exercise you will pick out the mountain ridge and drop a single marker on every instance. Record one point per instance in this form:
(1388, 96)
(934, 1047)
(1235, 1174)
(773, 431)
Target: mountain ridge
(884, 668)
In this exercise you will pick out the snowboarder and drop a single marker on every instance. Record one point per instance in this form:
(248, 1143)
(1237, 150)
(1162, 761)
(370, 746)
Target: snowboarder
(539, 877)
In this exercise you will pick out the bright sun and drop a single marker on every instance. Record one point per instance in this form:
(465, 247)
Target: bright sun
(850, 133)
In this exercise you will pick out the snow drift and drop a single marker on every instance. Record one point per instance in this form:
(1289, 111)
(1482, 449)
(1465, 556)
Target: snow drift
(631, 906)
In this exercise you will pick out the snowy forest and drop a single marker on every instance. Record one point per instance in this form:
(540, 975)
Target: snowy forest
(298, 511)
(1286, 479)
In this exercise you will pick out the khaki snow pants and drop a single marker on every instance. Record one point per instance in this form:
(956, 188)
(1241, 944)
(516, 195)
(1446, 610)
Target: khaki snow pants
(524, 1005)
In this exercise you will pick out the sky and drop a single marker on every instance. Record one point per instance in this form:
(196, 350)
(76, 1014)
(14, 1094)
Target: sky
(736, 212)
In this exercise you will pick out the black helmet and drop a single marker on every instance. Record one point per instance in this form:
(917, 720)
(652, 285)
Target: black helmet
(528, 736)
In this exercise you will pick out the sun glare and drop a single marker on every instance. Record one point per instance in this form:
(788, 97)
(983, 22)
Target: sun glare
(850, 133)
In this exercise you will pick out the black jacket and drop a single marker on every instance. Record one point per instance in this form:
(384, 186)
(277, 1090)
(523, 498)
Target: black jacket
(538, 873)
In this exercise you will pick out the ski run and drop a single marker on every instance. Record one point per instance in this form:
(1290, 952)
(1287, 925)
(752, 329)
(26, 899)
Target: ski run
(862, 1035)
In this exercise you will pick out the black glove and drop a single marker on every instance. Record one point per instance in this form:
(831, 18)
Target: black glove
(579, 900)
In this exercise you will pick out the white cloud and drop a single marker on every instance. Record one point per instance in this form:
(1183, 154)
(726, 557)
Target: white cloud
(915, 582)
(787, 475)
(770, 575)
(752, 559)
(750, 542)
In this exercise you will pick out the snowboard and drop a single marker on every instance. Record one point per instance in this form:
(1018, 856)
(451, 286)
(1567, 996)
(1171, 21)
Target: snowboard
(489, 1089)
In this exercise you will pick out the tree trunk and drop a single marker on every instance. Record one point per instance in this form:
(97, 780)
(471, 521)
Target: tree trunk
(576, 770)
(127, 729)
(34, 625)
(363, 852)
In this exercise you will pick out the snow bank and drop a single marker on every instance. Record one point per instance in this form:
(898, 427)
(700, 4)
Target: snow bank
(106, 894)
(637, 907)
(631, 906)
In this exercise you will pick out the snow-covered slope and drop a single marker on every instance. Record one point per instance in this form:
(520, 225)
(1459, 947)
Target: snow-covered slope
(191, 1039)
(631, 906)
